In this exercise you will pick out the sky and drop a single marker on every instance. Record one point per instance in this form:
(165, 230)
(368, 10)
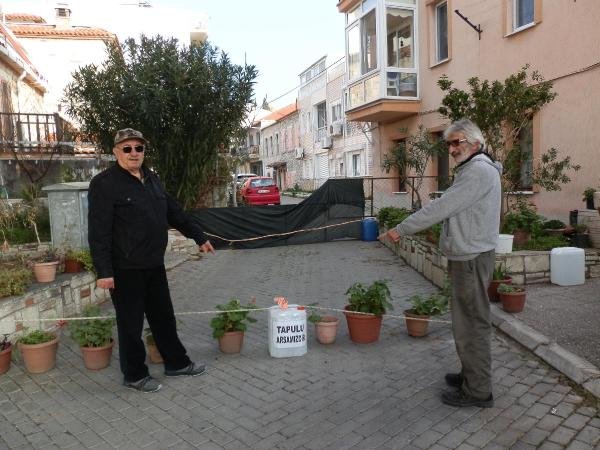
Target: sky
(277, 36)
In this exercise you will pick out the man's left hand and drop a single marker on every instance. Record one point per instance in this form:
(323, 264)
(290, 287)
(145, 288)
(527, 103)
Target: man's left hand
(206, 248)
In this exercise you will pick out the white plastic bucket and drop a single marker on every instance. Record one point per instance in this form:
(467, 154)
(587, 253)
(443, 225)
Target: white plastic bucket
(287, 331)
(505, 243)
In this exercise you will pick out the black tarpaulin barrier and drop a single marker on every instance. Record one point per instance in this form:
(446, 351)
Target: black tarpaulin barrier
(335, 202)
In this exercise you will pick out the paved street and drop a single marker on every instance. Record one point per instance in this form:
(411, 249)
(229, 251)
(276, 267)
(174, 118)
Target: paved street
(383, 395)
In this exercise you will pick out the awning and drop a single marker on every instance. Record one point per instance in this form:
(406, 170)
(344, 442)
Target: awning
(277, 164)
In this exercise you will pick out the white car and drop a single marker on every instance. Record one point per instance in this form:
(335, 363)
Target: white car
(241, 177)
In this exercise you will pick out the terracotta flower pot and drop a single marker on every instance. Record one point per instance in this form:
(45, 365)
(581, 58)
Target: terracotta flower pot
(73, 266)
(39, 358)
(154, 354)
(493, 288)
(326, 329)
(363, 328)
(45, 272)
(416, 328)
(513, 302)
(231, 342)
(5, 359)
(521, 237)
(96, 358)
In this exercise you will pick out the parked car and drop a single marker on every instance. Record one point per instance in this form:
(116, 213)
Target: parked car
(241, 177)
(260, 191)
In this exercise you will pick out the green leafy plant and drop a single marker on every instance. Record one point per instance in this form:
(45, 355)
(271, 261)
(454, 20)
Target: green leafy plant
(374, 299)
(230, 319)
(588, 193)
(5, 342)
(522, 217)
(509, 288)
(36, 337)
(82, 255)
(580, 228)
(50, 255)
(432, 305)
(545, 243)
(553, 224)
(14, 280)
(499, 273)
(92, 332)
(391, 216)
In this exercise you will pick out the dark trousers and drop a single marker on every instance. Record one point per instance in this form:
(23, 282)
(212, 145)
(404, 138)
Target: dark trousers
(471, 322)
(139, 292)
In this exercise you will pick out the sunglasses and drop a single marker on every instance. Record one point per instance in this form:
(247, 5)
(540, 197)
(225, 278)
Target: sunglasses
(455, 142)
(137, 148)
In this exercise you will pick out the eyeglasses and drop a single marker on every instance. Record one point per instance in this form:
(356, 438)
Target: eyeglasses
(455, 142)
(137, 148)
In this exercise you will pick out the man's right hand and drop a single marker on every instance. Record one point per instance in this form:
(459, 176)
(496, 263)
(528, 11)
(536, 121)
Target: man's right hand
(105, 283)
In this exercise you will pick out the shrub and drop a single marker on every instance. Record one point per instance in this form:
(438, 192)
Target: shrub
(14, 280)
(391, 216)
(230, 319)
(499, 273)
(522, 217)
(553, 224)
(588, 193)
(36, 337)
(509, 288)
(545, 243)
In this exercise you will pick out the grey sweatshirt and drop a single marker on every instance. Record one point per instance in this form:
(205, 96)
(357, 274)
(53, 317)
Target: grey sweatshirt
(469, 209)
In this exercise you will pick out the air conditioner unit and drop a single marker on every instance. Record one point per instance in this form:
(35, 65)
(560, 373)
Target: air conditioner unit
(299, 153)
(326, 142)
(336, 128)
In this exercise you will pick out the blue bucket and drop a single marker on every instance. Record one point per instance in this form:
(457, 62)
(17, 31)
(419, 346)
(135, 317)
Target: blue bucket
(369, 229)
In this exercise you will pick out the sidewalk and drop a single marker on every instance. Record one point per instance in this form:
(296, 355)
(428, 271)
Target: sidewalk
(384, 395)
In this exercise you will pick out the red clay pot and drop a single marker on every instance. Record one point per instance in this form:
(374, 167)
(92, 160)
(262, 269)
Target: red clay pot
(5, 359)
(326, 329)
(231, 342)
(513, 302)
(363, 328)
(73, 266)
(39, 358)
(96, 358)
(493, 288)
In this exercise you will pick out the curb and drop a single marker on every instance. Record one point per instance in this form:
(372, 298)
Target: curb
(578, 369)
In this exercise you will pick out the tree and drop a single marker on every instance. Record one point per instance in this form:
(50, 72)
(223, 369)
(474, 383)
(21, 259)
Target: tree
(414, 153)
(187, 101)
(502, 111)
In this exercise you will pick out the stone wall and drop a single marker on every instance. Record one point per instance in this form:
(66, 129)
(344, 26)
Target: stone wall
(524, 267)
(64, 297)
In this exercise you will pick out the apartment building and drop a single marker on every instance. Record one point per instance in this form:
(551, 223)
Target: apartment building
(397, 50)
(281, 153)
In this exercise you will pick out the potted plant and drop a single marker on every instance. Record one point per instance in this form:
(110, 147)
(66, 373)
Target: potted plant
(365, 310)
(5, 354)
(38, 348)
(580, 237)
(152, 349)
(498, 277)
(76, 260)
(44, 268)
(554, 227)
(512, 297)
(521, 222)
(229, 326)
(325, 326)
(422, 309)
(588, 197)
(94, 337)
(14, 279)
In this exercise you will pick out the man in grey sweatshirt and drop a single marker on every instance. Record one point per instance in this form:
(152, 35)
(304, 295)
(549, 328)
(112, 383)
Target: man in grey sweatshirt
(470, 213)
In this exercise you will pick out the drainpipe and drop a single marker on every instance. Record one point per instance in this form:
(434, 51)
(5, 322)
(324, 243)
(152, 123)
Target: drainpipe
(21, 77)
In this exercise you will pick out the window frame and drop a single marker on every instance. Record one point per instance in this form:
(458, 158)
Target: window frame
(437, 7)
(515, 7)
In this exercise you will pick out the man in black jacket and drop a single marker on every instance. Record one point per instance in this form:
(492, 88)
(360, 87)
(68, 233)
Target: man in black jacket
(129, 215)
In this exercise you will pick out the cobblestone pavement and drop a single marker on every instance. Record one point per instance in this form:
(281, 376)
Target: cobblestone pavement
(382, 395)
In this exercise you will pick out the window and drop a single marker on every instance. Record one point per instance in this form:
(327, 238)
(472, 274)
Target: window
(336, 112)
(400, 38)
(525, 157)
(523, 13)
(368, 43)
(277, 143)
(271, 141)
(441, 31)
(356, 165)
(321, 120)
(362, 43)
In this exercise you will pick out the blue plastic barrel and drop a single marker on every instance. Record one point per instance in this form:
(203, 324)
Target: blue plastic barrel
(369, 229)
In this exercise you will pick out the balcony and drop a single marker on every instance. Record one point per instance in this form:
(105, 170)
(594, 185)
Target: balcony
(254, 152)
(382, 59)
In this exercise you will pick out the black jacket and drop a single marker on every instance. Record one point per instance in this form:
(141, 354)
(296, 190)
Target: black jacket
(128, 221)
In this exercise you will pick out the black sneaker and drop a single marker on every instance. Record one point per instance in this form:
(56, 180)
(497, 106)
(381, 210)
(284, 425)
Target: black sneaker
(454, 379)
(459, 398)
(146, 384)
(191, 370)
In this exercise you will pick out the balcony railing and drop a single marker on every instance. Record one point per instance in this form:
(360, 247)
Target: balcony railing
(34, 133)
